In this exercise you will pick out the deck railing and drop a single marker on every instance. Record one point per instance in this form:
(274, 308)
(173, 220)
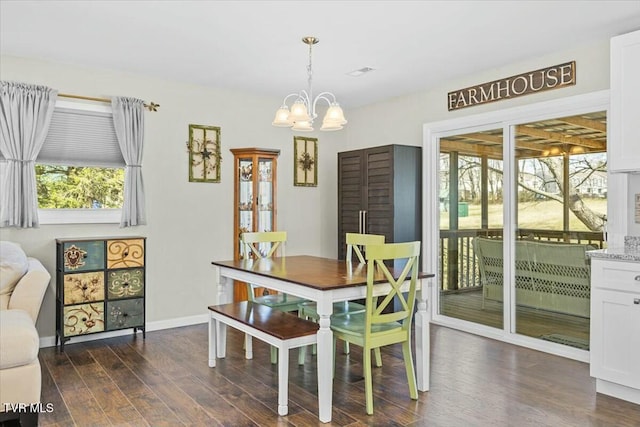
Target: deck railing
(458, 263)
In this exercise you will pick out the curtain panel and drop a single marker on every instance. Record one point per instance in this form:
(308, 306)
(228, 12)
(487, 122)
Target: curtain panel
(25, 115)
(128, 120)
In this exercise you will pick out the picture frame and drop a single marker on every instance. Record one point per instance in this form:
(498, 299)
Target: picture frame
(204, 153)
(305, 161)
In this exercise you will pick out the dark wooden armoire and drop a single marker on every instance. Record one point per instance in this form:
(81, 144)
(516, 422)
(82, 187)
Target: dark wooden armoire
(380, 192)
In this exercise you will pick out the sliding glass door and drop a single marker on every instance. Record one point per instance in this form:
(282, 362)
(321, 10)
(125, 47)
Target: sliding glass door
(561, 206)
(470, 209)
(518, 205)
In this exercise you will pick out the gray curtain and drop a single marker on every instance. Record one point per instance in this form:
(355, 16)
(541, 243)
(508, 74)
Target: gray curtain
(25, 115)
(128, 120)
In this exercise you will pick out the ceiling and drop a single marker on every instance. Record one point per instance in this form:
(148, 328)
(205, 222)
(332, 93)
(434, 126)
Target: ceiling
(581, 134)
(256, 46)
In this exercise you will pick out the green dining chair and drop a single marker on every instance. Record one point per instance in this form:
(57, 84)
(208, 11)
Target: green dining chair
(309, 310)
(374, 328)
(265, 245)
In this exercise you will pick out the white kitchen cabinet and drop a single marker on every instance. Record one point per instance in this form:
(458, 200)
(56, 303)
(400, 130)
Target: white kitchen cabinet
(624, 112)
(615, 328)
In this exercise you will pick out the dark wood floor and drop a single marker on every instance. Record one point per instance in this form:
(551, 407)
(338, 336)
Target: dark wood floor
(165, 380)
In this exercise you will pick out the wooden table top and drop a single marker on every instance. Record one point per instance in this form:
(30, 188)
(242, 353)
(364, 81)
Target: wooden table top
(314, 272)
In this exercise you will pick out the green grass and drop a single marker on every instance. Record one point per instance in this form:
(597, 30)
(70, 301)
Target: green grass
(544, 215)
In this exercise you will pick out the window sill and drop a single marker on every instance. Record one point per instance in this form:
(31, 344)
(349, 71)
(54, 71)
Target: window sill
(79, 216)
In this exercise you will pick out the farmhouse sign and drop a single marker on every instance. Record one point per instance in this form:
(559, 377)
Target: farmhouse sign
(523, 84)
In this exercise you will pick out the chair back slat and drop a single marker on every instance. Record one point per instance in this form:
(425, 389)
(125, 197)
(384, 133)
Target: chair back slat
(254, 242)
(355, 240)
(376, 256)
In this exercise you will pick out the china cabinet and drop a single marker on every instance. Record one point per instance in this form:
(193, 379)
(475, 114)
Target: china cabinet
(100, 286)
(254, 198)
(615, 328)
(624, 129)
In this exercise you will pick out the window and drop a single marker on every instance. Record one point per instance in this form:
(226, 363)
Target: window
(80, 169)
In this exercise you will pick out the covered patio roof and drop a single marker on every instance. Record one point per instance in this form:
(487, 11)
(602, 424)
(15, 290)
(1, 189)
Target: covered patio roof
(584, 133)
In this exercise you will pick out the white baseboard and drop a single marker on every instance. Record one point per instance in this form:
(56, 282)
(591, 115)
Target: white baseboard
(150, 326)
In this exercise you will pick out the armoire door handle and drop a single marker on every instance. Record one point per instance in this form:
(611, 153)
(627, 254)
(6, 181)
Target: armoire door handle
(364, 222)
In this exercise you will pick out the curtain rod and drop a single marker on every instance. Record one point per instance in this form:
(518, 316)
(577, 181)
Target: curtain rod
(151, 106)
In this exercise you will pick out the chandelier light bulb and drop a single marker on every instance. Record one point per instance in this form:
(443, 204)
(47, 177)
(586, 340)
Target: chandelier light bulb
(335, 114)
(282, 117)
(302, 126)
(299, 112)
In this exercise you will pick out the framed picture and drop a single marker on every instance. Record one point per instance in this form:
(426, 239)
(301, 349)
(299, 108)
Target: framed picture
(305, 161)
(204, 153)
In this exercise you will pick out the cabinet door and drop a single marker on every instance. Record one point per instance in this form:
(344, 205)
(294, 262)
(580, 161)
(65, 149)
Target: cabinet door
(615, 337)
(265, 197)
(83, 255)
(624, 127)
(83, 319)
(379, 192)
(125, 283)
(244, 192)
(125, 314)
(83, 287)
(351, 185)
(125, 253)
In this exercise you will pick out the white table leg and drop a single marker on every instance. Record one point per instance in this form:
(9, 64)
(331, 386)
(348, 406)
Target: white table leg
(212, 341)
(221, 334)
(225, 290)
(283, 380)
(422, 340)
(325, 361)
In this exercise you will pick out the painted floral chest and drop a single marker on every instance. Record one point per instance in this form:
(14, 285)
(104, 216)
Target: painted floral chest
(100, 286)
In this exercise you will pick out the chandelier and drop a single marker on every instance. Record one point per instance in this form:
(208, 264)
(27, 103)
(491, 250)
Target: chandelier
(303, 110)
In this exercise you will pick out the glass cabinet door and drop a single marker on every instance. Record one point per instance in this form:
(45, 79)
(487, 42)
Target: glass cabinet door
(265, 195)
(245, 195)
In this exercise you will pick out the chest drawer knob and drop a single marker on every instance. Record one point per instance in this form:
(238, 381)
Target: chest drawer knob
(637, 278)
(636, 300)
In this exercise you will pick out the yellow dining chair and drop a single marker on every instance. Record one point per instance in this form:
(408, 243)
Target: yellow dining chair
(374, 328)
(308, 310)
(265, 245)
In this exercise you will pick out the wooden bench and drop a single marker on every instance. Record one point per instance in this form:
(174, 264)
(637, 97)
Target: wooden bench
(280, 329)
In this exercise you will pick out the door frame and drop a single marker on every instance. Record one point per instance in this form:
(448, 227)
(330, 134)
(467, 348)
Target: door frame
(507, 119)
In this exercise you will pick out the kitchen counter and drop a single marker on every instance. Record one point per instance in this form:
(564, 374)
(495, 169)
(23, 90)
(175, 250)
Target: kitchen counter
(630, 251)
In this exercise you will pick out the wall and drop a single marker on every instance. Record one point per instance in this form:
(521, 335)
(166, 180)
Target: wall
(634, 188)
(189, 224)
(400, 120)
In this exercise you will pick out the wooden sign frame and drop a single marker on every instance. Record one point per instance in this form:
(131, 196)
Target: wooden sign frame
(554, 77)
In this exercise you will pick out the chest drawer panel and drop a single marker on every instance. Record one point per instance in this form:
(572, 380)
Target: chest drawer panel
(83, 287)
(83, 256)
(83, 319)
(125, 313)
(125, 283)
(125, 253)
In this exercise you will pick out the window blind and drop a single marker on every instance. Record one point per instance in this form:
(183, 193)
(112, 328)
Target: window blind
(81, 138)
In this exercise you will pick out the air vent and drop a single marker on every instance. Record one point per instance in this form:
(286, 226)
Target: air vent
(360, 72)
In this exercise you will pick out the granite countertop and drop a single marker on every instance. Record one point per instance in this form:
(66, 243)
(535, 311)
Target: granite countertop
(630, 251)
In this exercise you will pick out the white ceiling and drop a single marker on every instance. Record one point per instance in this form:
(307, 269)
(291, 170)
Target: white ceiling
(256, 46)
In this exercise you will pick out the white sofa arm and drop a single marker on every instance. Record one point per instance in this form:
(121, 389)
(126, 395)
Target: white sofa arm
(29, 292)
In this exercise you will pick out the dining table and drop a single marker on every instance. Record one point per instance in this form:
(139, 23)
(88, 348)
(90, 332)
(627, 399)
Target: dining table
(325, 281)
